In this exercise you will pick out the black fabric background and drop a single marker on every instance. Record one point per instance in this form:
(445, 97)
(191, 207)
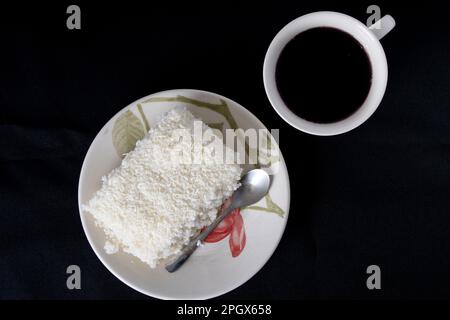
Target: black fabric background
(377, 195)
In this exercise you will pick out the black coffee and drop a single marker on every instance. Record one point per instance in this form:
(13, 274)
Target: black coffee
(323, 75)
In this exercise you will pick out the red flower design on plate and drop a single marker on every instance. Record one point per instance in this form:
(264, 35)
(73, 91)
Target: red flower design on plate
(232, 225)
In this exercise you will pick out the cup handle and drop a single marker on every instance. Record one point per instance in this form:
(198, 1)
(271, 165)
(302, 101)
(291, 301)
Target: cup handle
(383, 26)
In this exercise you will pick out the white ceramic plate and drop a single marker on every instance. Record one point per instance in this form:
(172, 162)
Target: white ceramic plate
(232, 256)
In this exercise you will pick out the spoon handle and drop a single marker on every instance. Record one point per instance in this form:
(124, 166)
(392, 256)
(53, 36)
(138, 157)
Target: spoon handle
(196, 241)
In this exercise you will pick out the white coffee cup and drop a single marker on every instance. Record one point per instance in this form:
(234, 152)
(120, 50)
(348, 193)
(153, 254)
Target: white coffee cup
(367, 37)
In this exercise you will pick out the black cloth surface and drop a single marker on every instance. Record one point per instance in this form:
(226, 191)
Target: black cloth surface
(377, 195)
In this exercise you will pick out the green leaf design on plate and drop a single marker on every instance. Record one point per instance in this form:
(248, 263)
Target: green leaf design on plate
(144, 118)
(127, 130)
(270, 207)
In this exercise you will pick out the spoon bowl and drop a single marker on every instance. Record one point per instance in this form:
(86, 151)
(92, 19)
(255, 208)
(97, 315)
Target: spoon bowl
(254, 186)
